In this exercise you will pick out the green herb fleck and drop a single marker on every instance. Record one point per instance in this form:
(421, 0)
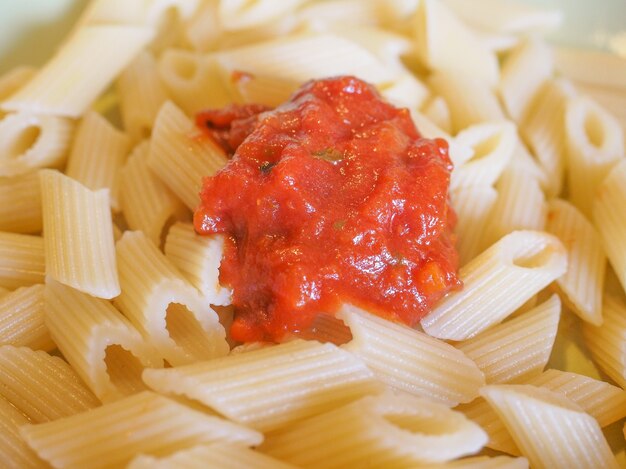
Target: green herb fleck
(266, 167)
(328, 154)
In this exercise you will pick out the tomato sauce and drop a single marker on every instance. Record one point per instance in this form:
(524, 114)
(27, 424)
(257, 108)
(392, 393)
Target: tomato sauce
(331, 197)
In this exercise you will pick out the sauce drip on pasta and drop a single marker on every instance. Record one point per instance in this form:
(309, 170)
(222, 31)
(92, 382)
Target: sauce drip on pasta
(332, 197)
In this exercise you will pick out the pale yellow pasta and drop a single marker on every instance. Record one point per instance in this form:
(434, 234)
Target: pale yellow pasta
(493, 145)
(506, 17)
(29, 141)
(22, 260)
(148, 204)
(405, 91)
(583, 282)
(543, 130)
(202, 29)
(110, 435)
(198, 258)
(20, 211)
(523, 72)
(383, 431)
(215, 456)
(272, 387)
(438, 111)
(482, 414)
(98, 152)
(526, 164)
(607, 343)
(41, 386)
(496, 283)
(484, 462)
(409, 360)
(472, 205)
(142, 94)
(163, 306)
(100, 343)
(144, 12)
(14, 452)
(22, 319)
(608, 220)
(83, 67)
(79, 235)
(499, 43)
(13, 80)
(611, 99)
(242, 14)
(470, 100)
(181, 155)
(518, 349)
(273, 91)
(445, 43)
(520, 205)
(544, 424)
(594, 67)
(595, 143)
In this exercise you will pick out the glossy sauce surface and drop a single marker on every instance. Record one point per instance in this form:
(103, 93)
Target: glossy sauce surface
(332, 197)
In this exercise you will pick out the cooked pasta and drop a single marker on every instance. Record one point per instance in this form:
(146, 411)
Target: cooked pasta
(20, 211)
(14, 451)
(22, 260)
(22, 319)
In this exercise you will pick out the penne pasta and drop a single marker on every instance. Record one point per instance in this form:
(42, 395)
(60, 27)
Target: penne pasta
(290, 382)
(496, 283)
(543, 424)
(148, 204)
(241, 14)
(42, 387)
(13, 80)
(167, 311)
(198, 258)
(181, 155)
(79, 240)
(382, 431)
(517, 349)
(20, 211)
(583, 282)
(438, 111)
(101, 345)
(411, 361)
(594, 67)
(98, 153)
(22, 261)
(14, 452)
(22, 319)
(110, 435)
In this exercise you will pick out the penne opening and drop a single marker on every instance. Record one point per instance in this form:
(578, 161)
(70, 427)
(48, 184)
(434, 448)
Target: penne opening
(486, 147)
(431, 426)
(23, 141)
(184, 67)
(124, 369)
(185, 330)
(533, 260)
(594, 130)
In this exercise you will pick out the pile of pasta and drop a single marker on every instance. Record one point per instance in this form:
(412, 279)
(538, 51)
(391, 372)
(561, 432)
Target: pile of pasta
(113, 323)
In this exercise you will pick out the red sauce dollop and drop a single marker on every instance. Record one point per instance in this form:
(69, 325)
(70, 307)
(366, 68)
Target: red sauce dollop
(332, 197)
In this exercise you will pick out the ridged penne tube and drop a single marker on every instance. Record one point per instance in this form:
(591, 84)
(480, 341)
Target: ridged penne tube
(101, 345)
(82, 68)
(272, 387)
(14, 452)
(327, 328)
(445, 43)
(98, 152)
(181, 155)
(148, 204)
(142, 94)
(520, 205)
(215, 456)
(523, 72)
(550, 430)
(22, 319)
(583, 283)
(496, 283)
(267, 90)
(202, 29)
(595, 143)
(493, 145)
(20, 211)
(611, 225)
(168, 311)
(469, 99)
(198, 258)
(41, 386)
(603, 401)
(14, 79)
(506, 17)
(472, 205)
(482, 414)
(29, 141)
(241, 14)
(304, 57)
(383, 431)
(611, 99)
(591, 66)
(195, 82)
(404, 91)
(438, 111)
(22, 260)
(147, 12)
(79, 235)
(411, 361)
(515, 350)
(144, 423)
(607, 343)
(484, 462)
